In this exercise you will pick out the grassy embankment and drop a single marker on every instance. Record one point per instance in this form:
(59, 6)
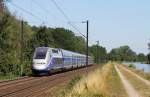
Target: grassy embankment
(103, 82)
(140, 86)
(9, 77)
(139, 72)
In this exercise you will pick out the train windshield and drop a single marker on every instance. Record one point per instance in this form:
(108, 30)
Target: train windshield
(40, 53)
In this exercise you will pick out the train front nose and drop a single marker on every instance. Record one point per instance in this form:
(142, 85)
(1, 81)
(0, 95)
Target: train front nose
(39, 65)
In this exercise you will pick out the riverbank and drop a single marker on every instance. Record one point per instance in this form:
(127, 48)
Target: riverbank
(140, 84)
(141, 73)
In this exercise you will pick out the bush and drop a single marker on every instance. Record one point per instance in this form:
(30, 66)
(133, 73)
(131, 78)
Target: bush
(14, 70)
(9, 69)
(131, 66)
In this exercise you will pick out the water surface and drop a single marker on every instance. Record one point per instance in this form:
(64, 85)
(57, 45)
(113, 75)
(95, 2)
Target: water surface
(140, 66)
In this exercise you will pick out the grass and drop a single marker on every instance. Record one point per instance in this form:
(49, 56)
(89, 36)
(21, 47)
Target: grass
(94, 85)
(103, 82)
(8, 77)
(73, 82)
(141, 87)
(69, 87)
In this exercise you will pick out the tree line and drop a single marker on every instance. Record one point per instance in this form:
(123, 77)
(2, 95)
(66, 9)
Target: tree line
(35, 36)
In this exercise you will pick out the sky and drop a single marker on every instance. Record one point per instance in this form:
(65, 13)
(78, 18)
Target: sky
(113, 23)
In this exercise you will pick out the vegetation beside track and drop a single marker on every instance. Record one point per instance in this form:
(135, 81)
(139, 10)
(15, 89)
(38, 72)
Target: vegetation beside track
(103, 82)
(9, 77)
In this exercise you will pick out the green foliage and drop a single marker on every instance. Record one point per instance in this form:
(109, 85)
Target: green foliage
(8, 48)
(148, 58)
(79, 44)
(9, 69)
(123, 53)
(99, 53)
(10, 43)
(43, 37)
(63, 38)
(141, 57)
(131, 66)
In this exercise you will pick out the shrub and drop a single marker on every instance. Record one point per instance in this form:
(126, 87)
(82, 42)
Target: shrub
(131, 66)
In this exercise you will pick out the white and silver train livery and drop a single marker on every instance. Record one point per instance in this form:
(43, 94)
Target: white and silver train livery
(46, 59)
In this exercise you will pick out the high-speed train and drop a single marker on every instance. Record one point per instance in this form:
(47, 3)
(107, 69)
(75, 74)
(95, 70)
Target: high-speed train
(47, 60)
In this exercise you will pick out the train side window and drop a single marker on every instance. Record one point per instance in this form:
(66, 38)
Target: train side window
(54, 51)
(58, 60)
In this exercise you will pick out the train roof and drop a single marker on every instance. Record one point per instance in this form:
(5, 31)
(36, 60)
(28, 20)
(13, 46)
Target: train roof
(66, 52)
(71, 53)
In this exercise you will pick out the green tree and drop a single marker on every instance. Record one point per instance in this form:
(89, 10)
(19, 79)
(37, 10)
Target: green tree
(148, 58)
(10, 41)
(79, 44)
(63, 38)
(99, 53)
(123, 53)
(141, 57)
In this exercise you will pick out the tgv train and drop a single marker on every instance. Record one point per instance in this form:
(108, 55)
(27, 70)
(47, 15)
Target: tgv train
(47, 60)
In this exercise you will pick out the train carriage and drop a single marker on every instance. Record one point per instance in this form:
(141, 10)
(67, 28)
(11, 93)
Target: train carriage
(46, 59)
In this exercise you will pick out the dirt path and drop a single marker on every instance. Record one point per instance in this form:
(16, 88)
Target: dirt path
(140, 78)
(128, 87)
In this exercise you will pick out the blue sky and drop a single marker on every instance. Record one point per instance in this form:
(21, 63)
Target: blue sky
(113, 22)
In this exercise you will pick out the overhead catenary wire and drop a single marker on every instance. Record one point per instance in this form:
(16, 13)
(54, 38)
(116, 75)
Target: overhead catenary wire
(38, 18)
(35, 2)
(26, 11)
(45, 9)
(67, 18)
(43, 22)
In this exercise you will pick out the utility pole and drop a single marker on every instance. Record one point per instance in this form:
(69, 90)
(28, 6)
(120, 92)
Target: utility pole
(97, 52)
(87, 40)
(22, 46)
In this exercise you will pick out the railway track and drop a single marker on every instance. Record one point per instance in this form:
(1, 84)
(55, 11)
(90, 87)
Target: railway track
(10, 82)
(4, 81)
(37, 85)
(33, 86)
